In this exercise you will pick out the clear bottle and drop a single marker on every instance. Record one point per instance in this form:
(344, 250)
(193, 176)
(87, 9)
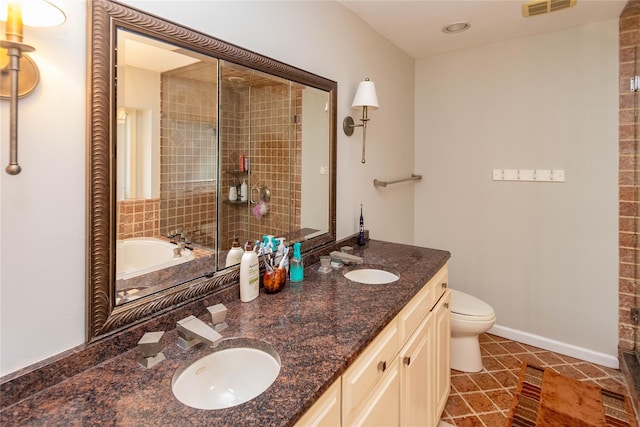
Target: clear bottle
(296, 267)
(234, 256)
(249, 274)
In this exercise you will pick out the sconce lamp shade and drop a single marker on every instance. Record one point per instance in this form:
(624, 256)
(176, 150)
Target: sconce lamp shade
(35, 13)
(366, 96)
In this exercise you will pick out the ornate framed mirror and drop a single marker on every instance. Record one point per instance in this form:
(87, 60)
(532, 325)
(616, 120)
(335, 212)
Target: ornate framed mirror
(194, 142)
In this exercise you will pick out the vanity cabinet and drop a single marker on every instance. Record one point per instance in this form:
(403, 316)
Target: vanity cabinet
(403, 377)
(425, 376)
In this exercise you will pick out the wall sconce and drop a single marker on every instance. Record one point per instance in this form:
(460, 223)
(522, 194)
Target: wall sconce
(34, 13)
(366, 99)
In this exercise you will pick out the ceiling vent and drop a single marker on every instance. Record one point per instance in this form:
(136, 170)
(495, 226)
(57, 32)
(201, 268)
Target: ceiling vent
(541, 7)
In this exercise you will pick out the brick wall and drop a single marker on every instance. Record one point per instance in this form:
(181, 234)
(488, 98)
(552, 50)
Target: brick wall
(628, 174)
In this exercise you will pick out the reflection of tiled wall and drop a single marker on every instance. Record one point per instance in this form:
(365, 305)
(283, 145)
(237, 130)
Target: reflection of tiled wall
(188, 158)
(138, 218)
(628, 192)
(262, 134)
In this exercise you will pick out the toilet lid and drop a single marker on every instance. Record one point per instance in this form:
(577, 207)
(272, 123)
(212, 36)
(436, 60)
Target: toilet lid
(468, 305)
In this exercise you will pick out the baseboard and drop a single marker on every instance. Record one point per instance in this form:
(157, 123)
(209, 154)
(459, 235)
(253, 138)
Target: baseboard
(556, 346)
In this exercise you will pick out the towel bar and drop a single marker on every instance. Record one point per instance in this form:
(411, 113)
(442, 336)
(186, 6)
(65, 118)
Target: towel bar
(378, 183)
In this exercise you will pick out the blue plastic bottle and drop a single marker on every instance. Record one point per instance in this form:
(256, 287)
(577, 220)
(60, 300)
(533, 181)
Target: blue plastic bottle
(296, 268)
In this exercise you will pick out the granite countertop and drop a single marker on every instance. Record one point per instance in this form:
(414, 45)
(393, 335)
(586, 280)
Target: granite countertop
(318, 327)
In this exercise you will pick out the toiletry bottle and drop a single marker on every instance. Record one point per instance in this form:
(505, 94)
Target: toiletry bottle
(243, 191)
(282, 248)
(233, 193)
(361, 241)
(249, 274)
(235, 254)
(296, 268)
(279, 252)
(241, 163)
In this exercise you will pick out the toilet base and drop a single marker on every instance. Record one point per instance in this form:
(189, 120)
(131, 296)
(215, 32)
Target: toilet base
(465, 354)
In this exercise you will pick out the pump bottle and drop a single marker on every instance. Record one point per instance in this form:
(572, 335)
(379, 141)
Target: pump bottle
(234, 256)
(249, 274)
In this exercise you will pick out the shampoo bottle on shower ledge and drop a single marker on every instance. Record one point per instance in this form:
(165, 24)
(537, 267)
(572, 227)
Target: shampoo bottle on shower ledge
(243, 191)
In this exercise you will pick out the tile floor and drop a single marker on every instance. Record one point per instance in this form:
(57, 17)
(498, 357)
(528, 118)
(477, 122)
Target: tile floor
(483, 399)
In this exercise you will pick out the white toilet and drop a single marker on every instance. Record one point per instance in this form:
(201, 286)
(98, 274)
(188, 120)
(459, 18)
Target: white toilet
(470, 317)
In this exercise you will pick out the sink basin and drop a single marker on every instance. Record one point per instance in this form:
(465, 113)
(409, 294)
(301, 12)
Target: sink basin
(371, 276)
(228, 376)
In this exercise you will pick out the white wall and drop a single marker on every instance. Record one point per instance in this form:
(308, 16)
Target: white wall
(42, 211)
(544, 255)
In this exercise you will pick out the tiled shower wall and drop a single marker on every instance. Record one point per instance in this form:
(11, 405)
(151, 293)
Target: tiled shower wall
(256, 122)
(188, 166)
(138, 218)
(628, 175)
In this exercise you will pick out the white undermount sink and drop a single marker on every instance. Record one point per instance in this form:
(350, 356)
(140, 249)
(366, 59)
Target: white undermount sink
(227, 377)
(371, 276)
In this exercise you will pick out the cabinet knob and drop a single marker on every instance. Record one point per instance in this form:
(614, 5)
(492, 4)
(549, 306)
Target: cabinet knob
(444, 285)
(446, 305)
(406, 360)
(382, 365)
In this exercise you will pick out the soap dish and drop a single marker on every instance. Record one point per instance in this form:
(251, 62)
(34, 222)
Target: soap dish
(324, 269)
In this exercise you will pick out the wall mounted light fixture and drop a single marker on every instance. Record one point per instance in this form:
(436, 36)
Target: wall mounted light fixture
(34, 13)
(366, 98)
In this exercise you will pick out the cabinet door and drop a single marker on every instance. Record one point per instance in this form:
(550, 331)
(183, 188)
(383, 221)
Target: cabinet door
(442, 321)
(382, 406)
(417, 369)
(326, 411)
(367, 371)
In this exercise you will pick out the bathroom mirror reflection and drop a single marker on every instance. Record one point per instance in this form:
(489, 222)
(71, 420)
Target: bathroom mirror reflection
(166, 162)
(194, 142)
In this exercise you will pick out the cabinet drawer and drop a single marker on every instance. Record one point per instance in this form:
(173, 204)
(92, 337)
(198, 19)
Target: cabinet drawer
(363, 375)
(412, 314)
(440, 283)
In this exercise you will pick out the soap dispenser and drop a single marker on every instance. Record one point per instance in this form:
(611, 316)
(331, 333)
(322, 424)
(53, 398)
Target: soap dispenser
(296, 267)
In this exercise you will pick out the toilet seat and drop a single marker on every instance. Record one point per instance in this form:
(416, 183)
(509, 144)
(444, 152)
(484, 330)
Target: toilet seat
(470, 308)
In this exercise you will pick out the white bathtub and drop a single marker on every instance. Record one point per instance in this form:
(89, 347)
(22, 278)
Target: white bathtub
(142, 255)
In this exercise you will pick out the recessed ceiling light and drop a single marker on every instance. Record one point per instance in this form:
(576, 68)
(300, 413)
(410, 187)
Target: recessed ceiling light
(456, 27)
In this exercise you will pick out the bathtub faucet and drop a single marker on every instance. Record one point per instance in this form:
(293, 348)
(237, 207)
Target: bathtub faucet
(172, 236)
(177, 251)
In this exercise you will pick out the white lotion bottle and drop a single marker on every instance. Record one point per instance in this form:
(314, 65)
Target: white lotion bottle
(234, 256)
(243, 191)
(249, 274)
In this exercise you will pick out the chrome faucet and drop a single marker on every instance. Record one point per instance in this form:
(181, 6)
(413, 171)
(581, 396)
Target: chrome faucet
(177, 251)
(172, 236)
(192, 331)
(347, 258)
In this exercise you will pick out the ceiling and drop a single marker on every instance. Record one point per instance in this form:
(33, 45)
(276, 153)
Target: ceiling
(416, 26)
